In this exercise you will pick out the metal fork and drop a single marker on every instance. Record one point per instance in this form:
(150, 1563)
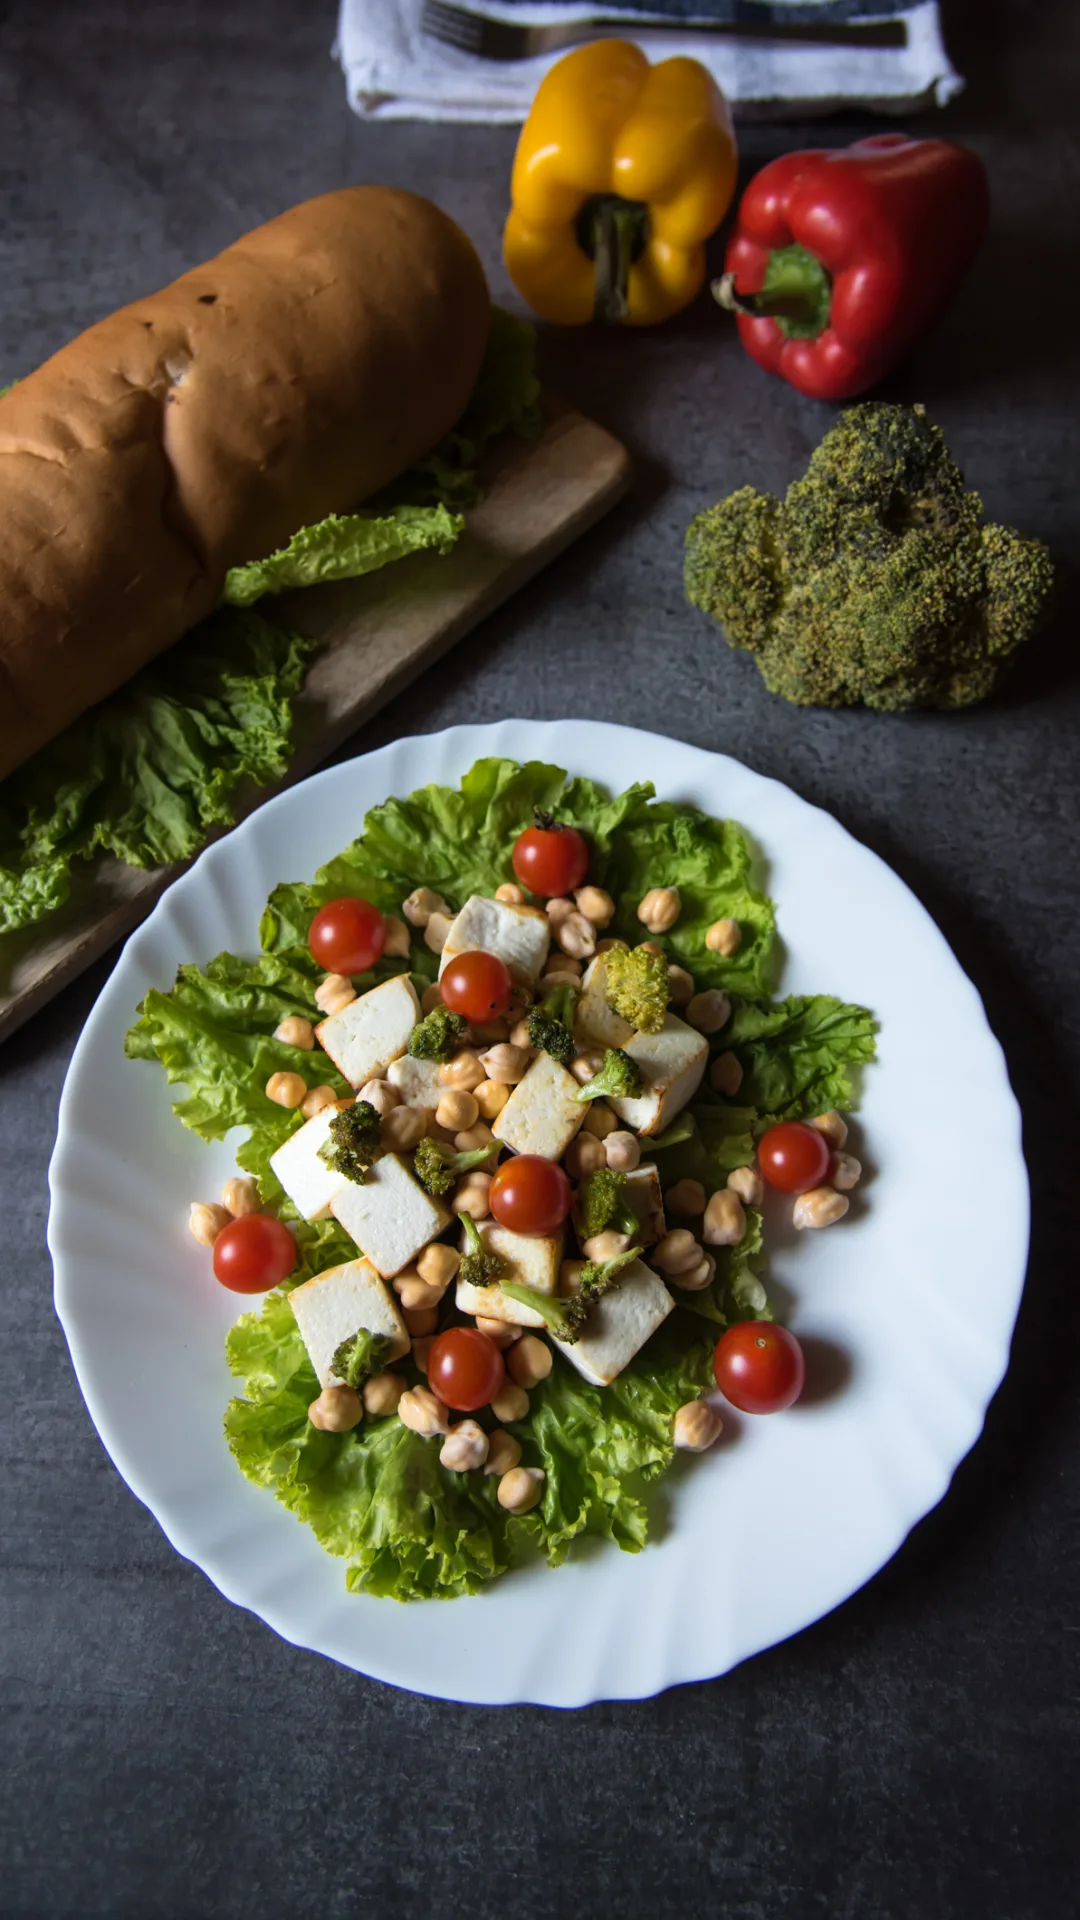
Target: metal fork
(506, 40)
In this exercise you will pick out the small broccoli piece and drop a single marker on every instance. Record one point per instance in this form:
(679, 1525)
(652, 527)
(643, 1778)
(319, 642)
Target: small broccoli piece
(438, 1167)
(636, 985)
(438, 1036)
(604, 1204)
(354, 1141)
(478, 1266)
(357, 1358)
(566, 1317)
(618, 1079)
(875, 581)
(551, 1024)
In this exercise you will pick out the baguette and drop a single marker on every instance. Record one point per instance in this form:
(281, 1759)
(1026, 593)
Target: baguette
(199, 428)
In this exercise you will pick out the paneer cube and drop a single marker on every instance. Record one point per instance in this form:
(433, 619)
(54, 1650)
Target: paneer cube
(389, 1215)
(531, 1262)
(543, 1113)
(308, 1181)
(672, 1063)
(417, 1081)
(595, 1023)
(619, 1325)
(339, 1303)
(643, 1192)
(372, 1030)
(519, 935)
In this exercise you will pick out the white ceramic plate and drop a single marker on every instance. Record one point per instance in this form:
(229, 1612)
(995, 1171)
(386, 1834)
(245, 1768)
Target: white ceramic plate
(918, 1288)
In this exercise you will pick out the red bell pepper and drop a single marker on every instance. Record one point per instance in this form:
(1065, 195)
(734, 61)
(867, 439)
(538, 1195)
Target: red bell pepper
(839, 259)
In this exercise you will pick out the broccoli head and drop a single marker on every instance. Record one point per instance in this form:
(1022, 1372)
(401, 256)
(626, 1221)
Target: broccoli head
(358, 1357)
(354, 1141)
(636, 985)
(438, 1167)
(566, 1316)
(618, 1079)
(551, 1024)
(438, 1036)
(875, 581)
(604, 1204)
(479, 1266)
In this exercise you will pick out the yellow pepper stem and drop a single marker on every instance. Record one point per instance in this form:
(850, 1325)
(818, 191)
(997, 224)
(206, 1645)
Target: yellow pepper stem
(613, 233)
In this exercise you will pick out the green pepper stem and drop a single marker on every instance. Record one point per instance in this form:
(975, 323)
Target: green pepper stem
(613, 233)
(796, 293)
(787, 304)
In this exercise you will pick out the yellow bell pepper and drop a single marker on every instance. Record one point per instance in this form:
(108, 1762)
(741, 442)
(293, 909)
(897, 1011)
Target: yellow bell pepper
(622, 172)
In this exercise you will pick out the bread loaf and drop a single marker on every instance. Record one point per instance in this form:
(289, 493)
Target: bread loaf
(289, 378)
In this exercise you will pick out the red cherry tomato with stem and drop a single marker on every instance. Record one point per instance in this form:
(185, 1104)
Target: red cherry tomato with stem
(254, 1253)
(759, 1366)
(549, 859)
(478, 986)
(465, 1368)
(794, 1157)
(347, 935)
(530, 1195)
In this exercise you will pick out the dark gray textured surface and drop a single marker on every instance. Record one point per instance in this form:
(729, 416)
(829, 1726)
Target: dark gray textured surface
(913, 1755)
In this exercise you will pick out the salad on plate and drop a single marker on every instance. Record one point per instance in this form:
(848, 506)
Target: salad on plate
(512, 1082)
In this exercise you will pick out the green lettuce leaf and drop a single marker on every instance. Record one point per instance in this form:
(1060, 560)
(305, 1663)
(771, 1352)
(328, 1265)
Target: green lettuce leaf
(797, 1055)
(343, 547)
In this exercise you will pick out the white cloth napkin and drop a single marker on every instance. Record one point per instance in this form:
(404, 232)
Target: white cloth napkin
(394, 72)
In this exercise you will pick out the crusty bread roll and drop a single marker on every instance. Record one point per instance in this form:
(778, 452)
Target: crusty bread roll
(199, 428)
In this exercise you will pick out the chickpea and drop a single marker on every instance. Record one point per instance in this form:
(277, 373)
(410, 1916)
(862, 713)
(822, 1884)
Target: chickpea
(438, 1265)
(724, 937)
(519, 1035)
(380, 1095)
(529, 1361)
(337, 1410)
(423, 1412)
(421, 904)
(604, 1246)
(463, 1072)
(431, 998)
(421, 1347)
(697, 1425)
(833, 1126)
(623, 1151)
(586, 1066)
(510, 895)
(697, 1277)
(652, 946)
(559, 975)
(397, 939)
(420, 1320)
(206, 1220)
(471, 1196)
(240, 1196)
(597, 906)
(317, 1099)
(457, 1110)
(677, 1252)
(607, 946)
(491, 1097)
(510, 1403)
(465, 1447)
(846, 1172)
(382, 1393)
(559, 908)
(660, 909)
(584, 1155)
(478, 1135)
(502, 1332)
(680, 986)
(504, 1452)
(491, 1033)
(726, 1074)
(725, 1220)
(415, 1294)
(521, 1489)
(435, 932)
(709, 1011)
(286, 1089)
(748, 1184)
(506, 1064)
(685, 1197)
(821, 1207)
(570, 1276)
(576, 936)
(295, 1032)
(334, 992)
(599, 1119)
(403, 1128)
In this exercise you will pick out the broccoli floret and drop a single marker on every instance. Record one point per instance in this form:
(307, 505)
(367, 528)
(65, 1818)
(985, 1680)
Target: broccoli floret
(566, 1317)
(551, 1024)
(604, 1204)
(438, 1036)
(479, 1267)
(636, 985)
(438, 1167)
(357, 1358)
(875, 581)
(354, 1141)
(618, 1079)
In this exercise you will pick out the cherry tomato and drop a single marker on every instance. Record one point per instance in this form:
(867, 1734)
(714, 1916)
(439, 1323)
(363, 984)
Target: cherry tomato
(794, 1157)
(530, 1195)
(465, 1368)
(550, 859)
(254, 1253)
(478, 986)
(347, 936)
(759, 1366)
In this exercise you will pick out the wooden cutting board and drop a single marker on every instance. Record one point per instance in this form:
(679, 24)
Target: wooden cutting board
(378, 634)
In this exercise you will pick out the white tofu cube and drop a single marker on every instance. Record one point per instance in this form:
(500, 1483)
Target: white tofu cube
(417, 1081)
(595, 1023)
(389, 1215)
(619, 1325)
(342, 1302)
(672, 1063)
(531, 1262)
(543, 1113)
(372, 1030)
(308, 1181)
(519, 935)
(643, 1192)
